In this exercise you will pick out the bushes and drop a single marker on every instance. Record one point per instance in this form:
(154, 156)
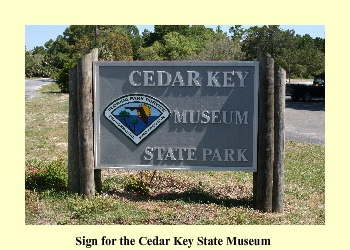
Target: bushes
(141, 184)
(37, 66)
(62, 76)
(41, 176)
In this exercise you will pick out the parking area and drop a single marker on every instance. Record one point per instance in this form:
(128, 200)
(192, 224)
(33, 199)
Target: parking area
(305, 121)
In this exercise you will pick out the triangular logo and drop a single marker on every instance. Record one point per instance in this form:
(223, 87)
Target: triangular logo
(137, 115)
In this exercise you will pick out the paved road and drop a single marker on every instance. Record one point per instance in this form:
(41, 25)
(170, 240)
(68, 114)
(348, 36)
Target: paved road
(33, 85)
(305, 121)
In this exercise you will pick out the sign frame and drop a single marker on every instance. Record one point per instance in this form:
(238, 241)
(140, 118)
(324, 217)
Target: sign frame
(99, 65)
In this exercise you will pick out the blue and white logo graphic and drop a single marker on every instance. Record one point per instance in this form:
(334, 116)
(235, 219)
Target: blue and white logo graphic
(137, 115)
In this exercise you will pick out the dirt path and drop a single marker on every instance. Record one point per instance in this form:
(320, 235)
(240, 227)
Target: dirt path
(33, 85)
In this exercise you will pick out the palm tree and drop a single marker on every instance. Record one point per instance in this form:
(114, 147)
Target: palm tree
(124, 114)
(134, 121)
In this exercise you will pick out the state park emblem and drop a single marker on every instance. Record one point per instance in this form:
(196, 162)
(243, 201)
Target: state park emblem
(137, 115)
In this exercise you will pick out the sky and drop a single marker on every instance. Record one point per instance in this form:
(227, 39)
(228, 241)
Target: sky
(38, 35)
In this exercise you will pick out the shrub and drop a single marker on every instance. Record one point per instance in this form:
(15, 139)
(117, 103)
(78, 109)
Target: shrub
(137, 185)
(41, 176)
(36, 65)
(140, 185)
(62, 76)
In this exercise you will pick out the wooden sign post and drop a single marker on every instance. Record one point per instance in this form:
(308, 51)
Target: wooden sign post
(268, 181)
(81, 176)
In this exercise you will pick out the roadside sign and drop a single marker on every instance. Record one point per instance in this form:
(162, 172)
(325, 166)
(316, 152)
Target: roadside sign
(176, 115)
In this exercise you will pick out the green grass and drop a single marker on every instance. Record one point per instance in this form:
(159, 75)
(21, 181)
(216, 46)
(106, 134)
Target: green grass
(46, 125)
(173, 197)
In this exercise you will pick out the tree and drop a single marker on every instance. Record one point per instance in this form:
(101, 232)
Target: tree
(75, 33)
(57, 52)
(220, 48)
(177, 46)
(304, 55)
(134, 121)
(134, 36)
(270, 39)
(312, 58)
(174, 46)
(304, 58)
(237, 33)
(37, 63)
(124, 114)
(184, 42)
(199, 35)
(114, 46)
(39, 50)
(320, 44)
(151, 53)
(78, 40)
(161, 30)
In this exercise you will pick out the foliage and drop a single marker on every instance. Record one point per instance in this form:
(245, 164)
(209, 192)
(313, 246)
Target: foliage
(58, 51)
(114, 46)
(174, 42)
(183, 42)
(303, 55)
(62, 76)
(37, 63)
(268, 39)
(134, 121)
(112, 41)
(141, 184)
(78, 40)
(237, 32)
(41, 176)
(134, 36)
(304, 58)
(151, 53)
(137, 185)
(160, 31)
(220, 48)
(200, 36)
(176, 46)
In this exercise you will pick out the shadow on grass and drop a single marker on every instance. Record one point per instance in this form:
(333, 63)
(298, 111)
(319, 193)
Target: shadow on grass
(194, 195)
(200, 196)
(52, 92)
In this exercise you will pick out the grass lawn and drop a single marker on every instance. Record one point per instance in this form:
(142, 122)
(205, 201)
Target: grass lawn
(161, 197)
